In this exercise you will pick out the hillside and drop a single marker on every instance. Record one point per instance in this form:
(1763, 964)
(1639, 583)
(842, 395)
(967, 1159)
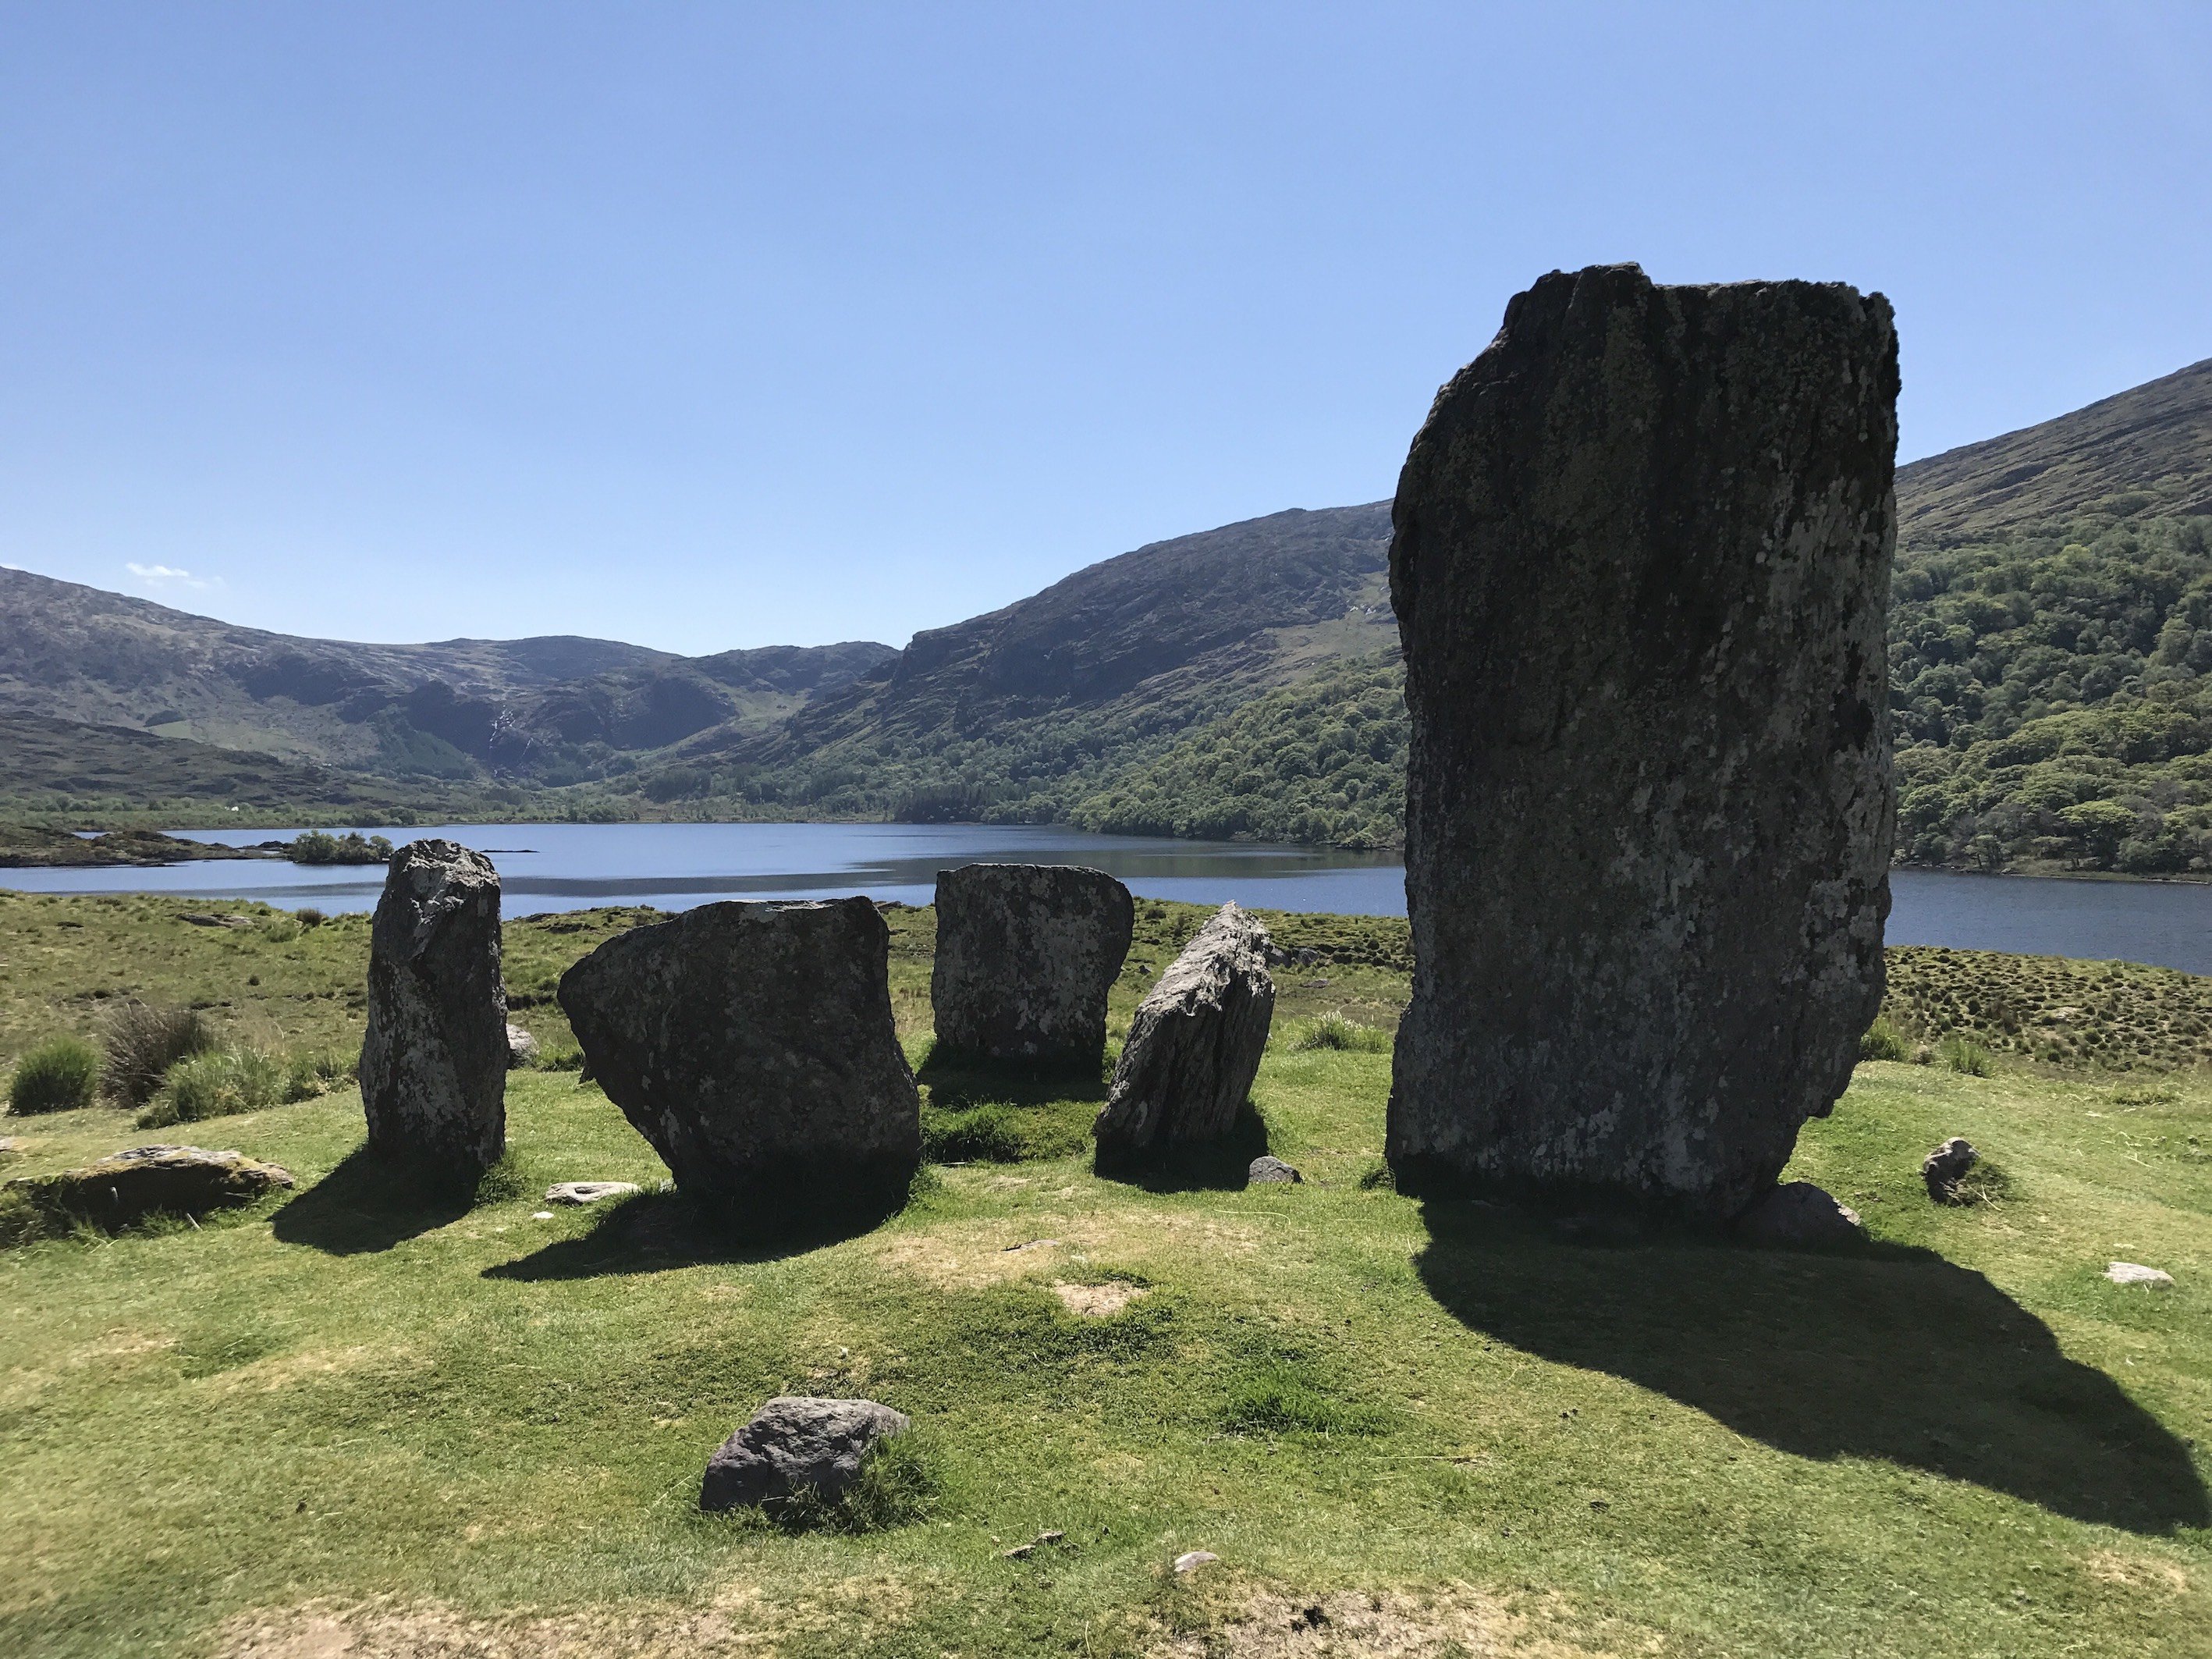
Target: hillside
(1018, 714)
(2146, 452)
(2052, 626)
(545, 711)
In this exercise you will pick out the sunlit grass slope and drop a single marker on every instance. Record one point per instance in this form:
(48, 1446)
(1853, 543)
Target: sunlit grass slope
(336, 1425)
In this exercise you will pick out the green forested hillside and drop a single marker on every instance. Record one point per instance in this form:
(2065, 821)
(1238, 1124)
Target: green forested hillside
(1322, 761)
(2049, 693)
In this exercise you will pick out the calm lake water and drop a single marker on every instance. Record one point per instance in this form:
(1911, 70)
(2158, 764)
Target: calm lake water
(569, 866)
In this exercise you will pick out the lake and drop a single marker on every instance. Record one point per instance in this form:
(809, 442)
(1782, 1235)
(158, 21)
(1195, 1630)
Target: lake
(569, 866)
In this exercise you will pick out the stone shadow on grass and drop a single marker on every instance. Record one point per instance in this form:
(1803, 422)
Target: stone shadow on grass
(369, 1203)
(1875, 1351)
(651, 1232)
(1224, 1165)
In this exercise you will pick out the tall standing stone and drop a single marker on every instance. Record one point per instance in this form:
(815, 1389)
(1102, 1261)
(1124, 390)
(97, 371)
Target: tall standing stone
(1025, 955)
(753, 1045)
(1195, 1046)
(433, 1064)
(1640, 568)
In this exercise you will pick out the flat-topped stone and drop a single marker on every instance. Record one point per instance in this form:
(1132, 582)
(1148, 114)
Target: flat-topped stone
(1026, 954)
(1641, 567)
(129, 1186)
(753, 1046)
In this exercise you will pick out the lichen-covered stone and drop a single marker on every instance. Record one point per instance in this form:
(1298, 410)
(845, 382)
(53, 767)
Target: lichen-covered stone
(433, 1063)
(796, 1444)
(129, 1186)
(1025, 955)
(1640, 568)
(1195, 1044)
(753, 1045)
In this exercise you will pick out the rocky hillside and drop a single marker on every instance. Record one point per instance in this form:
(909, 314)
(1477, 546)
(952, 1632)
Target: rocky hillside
(1018, 714)
(2144, 453)
(543, 711)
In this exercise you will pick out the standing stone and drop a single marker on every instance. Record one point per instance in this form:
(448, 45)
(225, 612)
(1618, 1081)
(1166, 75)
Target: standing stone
(1025, 955)
(753, 1045)
(1195, 1044)
(433, 1064)
(1640, 568)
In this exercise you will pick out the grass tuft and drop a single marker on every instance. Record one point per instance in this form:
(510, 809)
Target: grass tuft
(225, 1082)
(60, 1075)
(142, 1041)
(898, 1485)
(1883, 1041)
(1333, 1031)
(1967, 1057)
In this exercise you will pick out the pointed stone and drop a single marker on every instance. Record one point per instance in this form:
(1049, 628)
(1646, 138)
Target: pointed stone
(1195, 1044)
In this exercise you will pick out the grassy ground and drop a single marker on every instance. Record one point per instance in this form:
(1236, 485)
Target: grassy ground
(330, 1426)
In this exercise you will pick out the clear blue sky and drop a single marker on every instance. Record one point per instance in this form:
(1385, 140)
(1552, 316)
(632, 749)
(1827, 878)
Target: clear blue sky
(713, 325)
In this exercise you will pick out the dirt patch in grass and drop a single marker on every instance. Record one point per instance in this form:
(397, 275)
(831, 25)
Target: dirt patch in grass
(1349, 1625)
(741, 1622)
(1096, 1301)
(2138, 1572)
(967, 1257)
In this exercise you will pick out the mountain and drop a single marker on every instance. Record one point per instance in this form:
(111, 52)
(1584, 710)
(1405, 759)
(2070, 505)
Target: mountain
(1018, 714)
(544, 710)
(2051, 656)
(2144, 453)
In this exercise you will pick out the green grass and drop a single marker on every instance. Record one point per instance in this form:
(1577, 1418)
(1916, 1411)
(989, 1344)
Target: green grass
(445, 1426)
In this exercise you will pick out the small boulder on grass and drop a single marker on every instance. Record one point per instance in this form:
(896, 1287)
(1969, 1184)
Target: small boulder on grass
(130, 1185)
(2134, 1273)
(60, 1075)
(1946, 1167)
(795, 1444)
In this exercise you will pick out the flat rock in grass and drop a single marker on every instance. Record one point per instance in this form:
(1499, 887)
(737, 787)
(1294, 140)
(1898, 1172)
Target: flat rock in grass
(433, 1063)
(1641, 569)
(1268, 1169)
(588, 1192)
(1192, 1561)
(794, 1443)
(1946, 1166)
(130, 1185)
(753, 1045)
(1798, 1214)
(1195, 1044)
(2134, 1273)
(1025, 955)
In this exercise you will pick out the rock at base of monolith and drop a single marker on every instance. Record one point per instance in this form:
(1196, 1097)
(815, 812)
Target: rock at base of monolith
(796, 1444)
(1641, 566)
(1943, 1169)
(753, 1045)
(577, 1194)
(433, 1064)
(130, 1185)
(1195, 1046)
(1269, 1171)
(1797, 1215)
(1025, 955)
